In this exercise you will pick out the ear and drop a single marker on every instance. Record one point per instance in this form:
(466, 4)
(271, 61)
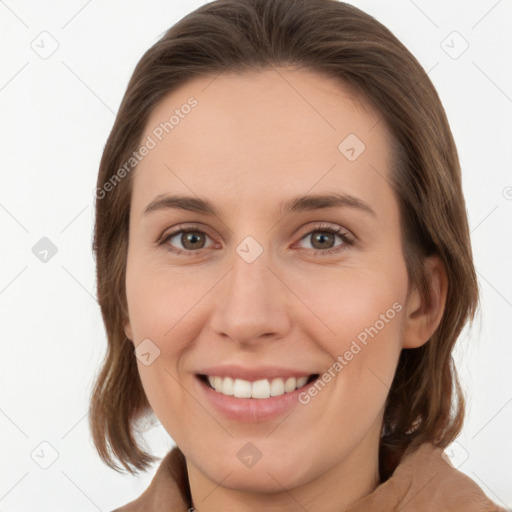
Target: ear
(423, 319)
(128, 330)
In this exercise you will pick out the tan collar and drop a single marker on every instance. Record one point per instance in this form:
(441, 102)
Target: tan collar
(423, 481)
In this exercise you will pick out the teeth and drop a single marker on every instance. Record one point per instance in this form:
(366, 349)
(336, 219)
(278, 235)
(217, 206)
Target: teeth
(301, 381)
(227, 386)
(263, 388)
(277, 387)
(260, 389)
(242, 388)
(290, 384)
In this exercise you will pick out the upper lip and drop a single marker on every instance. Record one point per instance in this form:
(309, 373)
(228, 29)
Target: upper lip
(253, 373)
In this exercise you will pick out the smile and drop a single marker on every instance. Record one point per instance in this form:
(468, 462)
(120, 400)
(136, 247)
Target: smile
(259, 389)
(252, 393)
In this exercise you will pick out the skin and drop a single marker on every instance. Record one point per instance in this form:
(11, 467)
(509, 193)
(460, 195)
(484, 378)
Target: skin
(253, 141)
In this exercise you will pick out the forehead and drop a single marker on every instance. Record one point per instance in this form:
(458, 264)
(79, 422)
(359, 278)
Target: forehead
(263, 134)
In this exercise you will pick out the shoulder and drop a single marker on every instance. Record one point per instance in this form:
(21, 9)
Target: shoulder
(427, 476)
(424, 481)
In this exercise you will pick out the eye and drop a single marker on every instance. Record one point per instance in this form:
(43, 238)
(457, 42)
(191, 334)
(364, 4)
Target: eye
(322, 239)
(191, 239)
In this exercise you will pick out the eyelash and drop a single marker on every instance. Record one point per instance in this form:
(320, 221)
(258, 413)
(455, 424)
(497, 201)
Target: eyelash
(345, 237)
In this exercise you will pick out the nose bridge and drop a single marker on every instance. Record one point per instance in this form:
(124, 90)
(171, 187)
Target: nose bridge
(250, 276)
(250, 302)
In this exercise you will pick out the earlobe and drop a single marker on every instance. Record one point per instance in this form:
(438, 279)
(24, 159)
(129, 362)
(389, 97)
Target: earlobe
(128, 330)
(423, 319)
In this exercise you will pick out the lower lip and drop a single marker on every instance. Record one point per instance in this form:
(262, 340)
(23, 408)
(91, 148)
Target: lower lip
(251, 410)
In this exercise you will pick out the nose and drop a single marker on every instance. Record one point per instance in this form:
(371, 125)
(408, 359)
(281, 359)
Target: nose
(251, 303)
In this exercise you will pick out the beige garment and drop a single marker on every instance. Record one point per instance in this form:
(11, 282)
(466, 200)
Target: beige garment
(423, 481)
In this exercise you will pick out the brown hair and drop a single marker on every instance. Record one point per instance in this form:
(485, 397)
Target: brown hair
(425, 403)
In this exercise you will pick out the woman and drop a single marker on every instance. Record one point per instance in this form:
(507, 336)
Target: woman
(284, 266)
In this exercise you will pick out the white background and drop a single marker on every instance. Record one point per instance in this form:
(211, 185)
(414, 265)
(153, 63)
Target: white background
(55, 116)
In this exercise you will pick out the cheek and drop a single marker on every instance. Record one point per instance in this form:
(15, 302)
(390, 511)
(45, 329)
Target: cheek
(159, 300)
(164, 311)
(362, 318)
(367, 321)
(356, 305)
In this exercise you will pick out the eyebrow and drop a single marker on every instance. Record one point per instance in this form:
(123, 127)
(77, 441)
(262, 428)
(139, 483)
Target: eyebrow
(298, 204)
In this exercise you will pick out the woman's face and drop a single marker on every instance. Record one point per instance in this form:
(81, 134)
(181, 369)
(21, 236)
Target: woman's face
(293, 268)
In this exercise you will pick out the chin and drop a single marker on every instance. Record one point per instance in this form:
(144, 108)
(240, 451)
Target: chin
(260, 481)
(268, 475)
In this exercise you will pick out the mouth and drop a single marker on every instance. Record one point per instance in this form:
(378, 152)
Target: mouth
(259, 389)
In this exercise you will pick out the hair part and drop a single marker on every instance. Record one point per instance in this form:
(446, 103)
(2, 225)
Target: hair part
(337, 40)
